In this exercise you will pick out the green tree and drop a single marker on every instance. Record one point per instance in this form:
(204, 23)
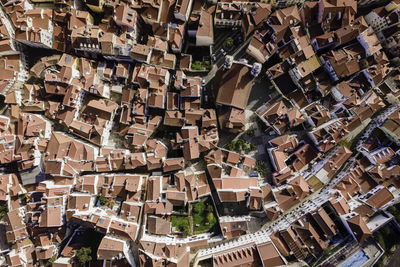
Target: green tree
(199, 207)
(84, 255)
(23, 199)
(49, 263)
(250, 132)
(207, 64)
(260, 164)
(252, 147)
(260, 167)
(363, 63)
(3, 210)
(103, 200)
(229, 42)
(245, 147)
(185, 231)
(240, 145)
(197, 65)
(230, 146)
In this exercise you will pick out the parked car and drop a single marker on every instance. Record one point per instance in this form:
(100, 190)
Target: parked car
(243, 60)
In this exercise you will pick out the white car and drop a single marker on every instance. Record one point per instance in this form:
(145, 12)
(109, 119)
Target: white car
(223, 52)
(243, 60)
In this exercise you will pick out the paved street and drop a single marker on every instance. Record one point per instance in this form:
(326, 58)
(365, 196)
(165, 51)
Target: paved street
(220, 38)
(261, 92)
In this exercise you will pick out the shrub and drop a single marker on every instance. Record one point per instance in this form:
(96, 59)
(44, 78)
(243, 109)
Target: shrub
(210, 217)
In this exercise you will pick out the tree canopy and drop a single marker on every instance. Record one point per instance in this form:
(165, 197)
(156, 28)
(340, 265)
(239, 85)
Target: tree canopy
(84, 255)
